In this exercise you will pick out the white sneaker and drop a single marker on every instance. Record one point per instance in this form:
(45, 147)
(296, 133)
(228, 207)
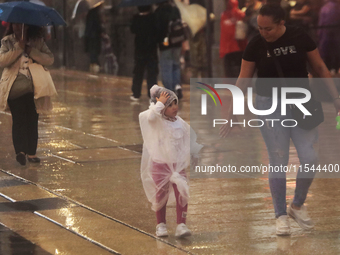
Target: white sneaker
(179, 92)
(283, 226)
(301, 217)
(182, 230)
(161, 230)
(134, 98)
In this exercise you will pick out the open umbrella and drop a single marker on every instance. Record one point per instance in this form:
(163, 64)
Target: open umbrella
(30, 13)
(126, 3)
(194, 15)
(95, 3)
(80, 9)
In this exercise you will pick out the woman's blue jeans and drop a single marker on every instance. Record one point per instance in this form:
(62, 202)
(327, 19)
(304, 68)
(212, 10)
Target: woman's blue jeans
(170, 65)
(277, 140)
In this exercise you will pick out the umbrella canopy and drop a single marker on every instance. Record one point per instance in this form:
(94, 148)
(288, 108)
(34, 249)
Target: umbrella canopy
(126, 3)
(95, 3)
(194, 15)
(30, 14)
(80, 9)
(37, 2)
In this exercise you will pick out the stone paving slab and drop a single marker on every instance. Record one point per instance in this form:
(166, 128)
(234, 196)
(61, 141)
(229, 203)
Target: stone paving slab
(14, 244)
(47, 235)
(100, 154)
(114, 235)
(25, 192)
(87, 223)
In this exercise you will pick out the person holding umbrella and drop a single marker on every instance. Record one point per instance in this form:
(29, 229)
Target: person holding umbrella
(23, 45)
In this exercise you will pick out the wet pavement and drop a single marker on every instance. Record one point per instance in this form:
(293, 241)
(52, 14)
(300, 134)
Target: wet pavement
(86, 196)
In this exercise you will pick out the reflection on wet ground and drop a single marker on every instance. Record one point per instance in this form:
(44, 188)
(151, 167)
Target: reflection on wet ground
(86, 197)
(14, 244)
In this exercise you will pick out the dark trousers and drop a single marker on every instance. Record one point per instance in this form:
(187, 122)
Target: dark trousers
(94, 57)
(232, 64)
(151, 66)
(25, 124)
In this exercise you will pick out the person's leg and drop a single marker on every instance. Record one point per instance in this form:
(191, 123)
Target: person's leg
(161, 215)
(32, 125)
(176, 67)
(237, 60)
(227, 66)
(152, 72)
(326, 53)
(194, 53)
(138, 75)
(165, 61)
(304, 141)
(181, 230)
(158, 173)
(19, 119)
(277, 139)
(337, 52)
(181, 211)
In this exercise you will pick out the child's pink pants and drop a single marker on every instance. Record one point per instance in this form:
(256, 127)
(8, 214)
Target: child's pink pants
(159, 170)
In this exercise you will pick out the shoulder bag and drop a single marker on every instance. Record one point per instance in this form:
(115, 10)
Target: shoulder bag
(306, 122)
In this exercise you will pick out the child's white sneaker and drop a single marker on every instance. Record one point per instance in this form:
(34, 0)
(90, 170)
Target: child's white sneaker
(161, 230)
(182, 230)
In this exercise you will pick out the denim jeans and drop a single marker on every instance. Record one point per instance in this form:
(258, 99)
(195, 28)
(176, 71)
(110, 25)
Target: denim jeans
(170, 67)
(277, 140)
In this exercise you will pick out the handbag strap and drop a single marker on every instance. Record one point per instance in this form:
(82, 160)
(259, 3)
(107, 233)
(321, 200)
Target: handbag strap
(277, 64)
(279, 68)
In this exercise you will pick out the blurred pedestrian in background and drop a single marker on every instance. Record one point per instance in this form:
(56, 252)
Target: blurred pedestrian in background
(252, 11)
(79, 14)
(329, 35)
(93, 35)
(145, 56)
(231, 49)
(198, 49)
(301, 14)
(110, 60)
(171, 34)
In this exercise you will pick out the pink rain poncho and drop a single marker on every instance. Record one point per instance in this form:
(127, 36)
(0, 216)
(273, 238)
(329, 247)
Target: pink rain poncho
(166, 152)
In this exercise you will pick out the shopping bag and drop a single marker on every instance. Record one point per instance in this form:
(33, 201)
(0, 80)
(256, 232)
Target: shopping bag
(42, 81)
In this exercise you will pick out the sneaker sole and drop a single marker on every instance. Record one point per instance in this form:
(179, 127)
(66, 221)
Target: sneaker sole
(283, 233)
(163, 235)
(184, 235)
(179, 94)
(302, 225)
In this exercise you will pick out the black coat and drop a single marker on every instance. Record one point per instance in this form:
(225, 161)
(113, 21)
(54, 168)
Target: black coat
(144, 27)
(164, 14)
(93, 31)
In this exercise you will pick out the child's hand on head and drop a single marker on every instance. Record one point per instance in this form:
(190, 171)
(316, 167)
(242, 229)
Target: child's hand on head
(163, 97)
